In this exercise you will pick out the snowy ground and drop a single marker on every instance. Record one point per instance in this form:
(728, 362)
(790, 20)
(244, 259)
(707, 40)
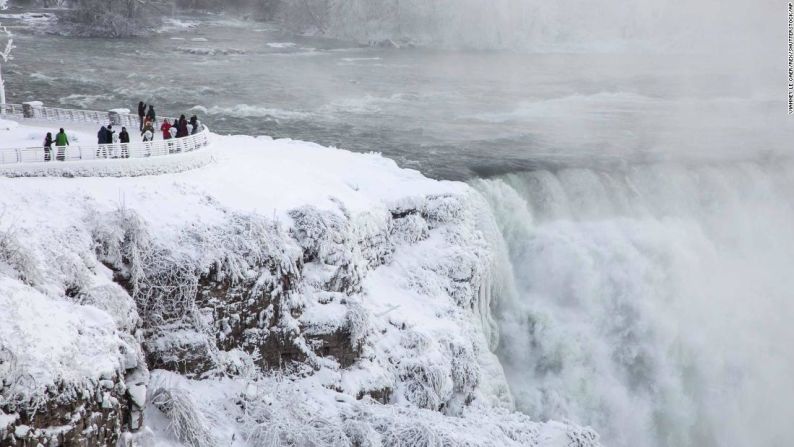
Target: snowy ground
(421, 312)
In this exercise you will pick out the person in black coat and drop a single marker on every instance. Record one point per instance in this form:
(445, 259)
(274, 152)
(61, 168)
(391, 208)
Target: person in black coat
(141, 112)
(182, 128)
(102, 135)
(102, 139)
(124, 139)
(193, 124)
(150, 114)
(48, 146)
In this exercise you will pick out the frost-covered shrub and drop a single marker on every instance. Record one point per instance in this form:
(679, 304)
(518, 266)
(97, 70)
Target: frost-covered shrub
(443, 209)
(438, 374)
(16, 386)
(374, 240)
(415, 341)
(277, 433)
(122, 242)
(425, 383)
(186, 420)
(412, 434)
(164, 277)
(111, 18)
(327, 238)
(112, 299)
(240, 248)
(465, 368)
(362, 434)
(285, 417)
(409, 229)
(357, 323)
(16, 261)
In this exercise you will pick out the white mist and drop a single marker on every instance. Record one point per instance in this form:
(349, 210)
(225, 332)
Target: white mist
(653, 302)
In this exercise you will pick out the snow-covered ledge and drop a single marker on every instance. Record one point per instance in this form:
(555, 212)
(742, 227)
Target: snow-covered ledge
(121, 167)
(285, 291)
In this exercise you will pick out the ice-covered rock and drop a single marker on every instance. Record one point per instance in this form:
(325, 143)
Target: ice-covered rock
(273, 301)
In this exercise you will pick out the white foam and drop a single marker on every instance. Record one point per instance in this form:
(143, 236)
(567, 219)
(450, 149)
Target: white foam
(652, 302)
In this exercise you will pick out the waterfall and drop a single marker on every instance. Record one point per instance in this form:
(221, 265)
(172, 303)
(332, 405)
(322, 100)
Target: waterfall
(653, 302)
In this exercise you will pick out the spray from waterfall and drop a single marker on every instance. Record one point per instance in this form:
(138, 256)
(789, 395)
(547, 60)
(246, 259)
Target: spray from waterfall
(676, 25)
(652, 302)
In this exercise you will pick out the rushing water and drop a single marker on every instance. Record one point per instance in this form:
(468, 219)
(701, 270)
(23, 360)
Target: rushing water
(653, 302)
(646, 201)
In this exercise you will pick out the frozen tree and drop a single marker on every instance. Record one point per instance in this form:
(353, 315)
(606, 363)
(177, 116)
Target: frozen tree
(5, 54)
(115, 18)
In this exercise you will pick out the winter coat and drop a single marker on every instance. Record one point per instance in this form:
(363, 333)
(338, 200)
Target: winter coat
(48, 142)
(103, 136)
(61, 139)
(150, 114)
(141, 110)
(182, 129)
(166, 130)
(124, 137)
(148, 135)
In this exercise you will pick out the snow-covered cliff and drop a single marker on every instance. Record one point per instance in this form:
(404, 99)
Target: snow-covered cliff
(284, 294)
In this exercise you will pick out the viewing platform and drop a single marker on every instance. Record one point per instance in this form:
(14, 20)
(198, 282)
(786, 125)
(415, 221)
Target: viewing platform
(83, 159)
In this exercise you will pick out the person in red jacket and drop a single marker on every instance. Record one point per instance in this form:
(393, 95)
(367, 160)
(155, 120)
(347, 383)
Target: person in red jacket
(166, 129)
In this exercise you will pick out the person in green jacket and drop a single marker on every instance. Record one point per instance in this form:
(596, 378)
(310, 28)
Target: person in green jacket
(61, 141)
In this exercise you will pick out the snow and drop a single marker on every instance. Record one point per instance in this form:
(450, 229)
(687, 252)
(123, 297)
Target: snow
(14, 135)
(54, 341)
(131, 167)
(6, 125)
(249, 174)
(396, 258)
(7, 419)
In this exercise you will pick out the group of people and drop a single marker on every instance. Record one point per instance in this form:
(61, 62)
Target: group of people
(177, 129)
(107, 137)
(60, 141)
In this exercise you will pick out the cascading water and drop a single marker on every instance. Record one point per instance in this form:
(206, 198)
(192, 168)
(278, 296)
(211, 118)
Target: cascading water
(652, 302)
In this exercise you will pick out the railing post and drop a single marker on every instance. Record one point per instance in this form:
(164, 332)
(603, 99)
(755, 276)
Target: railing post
(29, 108)
(115, 116)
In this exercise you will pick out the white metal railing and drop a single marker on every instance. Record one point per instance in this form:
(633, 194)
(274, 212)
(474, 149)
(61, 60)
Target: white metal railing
(106, 151)
(13, 110)
(94, 152)
(73, 115)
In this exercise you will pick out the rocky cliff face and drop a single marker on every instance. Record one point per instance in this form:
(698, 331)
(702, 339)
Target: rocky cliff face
(249, 287)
